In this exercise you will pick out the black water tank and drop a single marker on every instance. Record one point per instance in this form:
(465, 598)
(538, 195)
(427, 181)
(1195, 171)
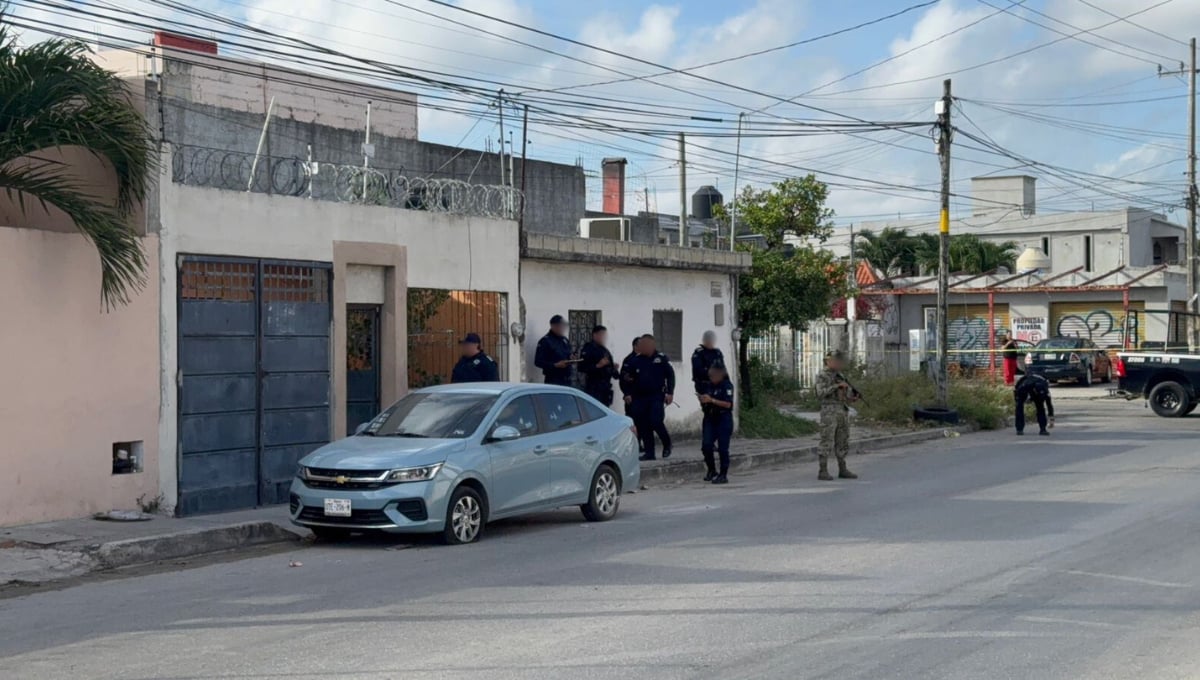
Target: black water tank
(704, 200)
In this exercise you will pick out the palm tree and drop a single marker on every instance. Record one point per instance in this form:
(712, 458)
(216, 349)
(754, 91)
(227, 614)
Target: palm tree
(892, 250)
(53, 96)
(969, 254)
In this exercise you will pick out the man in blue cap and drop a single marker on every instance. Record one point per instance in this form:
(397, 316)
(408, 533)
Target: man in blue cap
(474, 365)
(553, 354)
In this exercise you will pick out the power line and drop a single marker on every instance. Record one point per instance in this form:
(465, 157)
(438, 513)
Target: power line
(1075, 36)
(748, 55)
(1135, 24)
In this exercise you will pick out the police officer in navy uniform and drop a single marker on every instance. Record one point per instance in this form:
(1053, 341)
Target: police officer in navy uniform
(648, 382)
(596, 364)
(474, 365)
(553, 354)
(716, 400)
(627, 377)
(705, 356)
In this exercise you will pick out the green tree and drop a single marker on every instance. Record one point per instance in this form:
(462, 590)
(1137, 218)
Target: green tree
(53, 96)
(969, 254)
(790, 282)
(892, 250)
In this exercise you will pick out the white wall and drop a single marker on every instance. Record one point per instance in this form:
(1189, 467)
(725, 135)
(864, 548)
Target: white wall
(444, 251)
(627, 298)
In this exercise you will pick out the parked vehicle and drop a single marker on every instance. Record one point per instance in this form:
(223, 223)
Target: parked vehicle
(1064, 358)
(452, 458)
(1170, 383)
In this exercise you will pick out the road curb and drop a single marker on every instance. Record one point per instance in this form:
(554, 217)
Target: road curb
(675, 471)
(148, 549)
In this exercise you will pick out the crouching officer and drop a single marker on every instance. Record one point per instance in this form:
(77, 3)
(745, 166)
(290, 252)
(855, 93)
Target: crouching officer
(596, 364)
(703, 358)
(835, 395)
(1034, 388)
(474, 365)
(716, 400)
(648, 382)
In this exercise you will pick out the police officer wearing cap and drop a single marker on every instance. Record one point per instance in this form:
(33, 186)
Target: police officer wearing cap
(553, 354)
(474, 365)
(597, 366)
(703, 358)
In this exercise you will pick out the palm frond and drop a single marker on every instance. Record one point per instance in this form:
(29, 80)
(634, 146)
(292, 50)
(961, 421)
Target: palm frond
(122, 262)
(52, 95)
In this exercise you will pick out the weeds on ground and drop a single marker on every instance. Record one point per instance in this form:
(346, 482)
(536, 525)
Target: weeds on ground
(764, 420)
(891, 399)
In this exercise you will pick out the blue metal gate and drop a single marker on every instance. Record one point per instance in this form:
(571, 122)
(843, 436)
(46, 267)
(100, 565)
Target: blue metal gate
(254, 356)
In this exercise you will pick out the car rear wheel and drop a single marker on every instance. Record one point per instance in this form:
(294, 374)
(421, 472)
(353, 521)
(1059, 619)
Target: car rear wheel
(1108, 376)
(605, 496)
(1086, 381)
(1169, 400)
(464, 517)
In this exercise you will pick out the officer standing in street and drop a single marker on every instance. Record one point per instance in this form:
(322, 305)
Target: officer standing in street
(474, 365)
(716, 400)
(703, 359)
(648, 383)
(1034, 388)
(596, 364)
(835, 395)
(553, 354)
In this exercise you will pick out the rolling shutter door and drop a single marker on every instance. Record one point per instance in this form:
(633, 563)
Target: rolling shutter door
(968, 332)
(1103, 323)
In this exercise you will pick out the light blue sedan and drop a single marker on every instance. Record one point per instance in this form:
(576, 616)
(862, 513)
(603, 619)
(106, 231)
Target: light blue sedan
(450, 459)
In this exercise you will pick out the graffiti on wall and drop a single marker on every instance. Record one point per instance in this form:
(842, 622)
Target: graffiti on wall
(1101, 326)
(969, 340)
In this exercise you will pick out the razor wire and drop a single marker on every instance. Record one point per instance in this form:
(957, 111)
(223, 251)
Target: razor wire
(340, 182)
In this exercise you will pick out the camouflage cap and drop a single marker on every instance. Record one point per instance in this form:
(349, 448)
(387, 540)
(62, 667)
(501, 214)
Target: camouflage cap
(836, 354)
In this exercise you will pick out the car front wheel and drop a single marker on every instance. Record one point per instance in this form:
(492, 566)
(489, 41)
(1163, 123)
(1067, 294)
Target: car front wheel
(605, 496)
(1087, 376)
(464, 517)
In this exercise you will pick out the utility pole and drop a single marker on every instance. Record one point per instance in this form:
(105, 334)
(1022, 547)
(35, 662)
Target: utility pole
(524, 154)
(941, 379)
(682, 192)
(737, 166)
(500, 106)
(1190, 255)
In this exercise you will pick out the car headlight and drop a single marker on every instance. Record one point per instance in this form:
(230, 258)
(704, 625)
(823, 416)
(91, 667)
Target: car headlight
(414, 474)
(302, 472)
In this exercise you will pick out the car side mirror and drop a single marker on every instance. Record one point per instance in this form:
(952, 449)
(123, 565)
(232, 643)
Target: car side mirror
(362, 427)
(504, 433)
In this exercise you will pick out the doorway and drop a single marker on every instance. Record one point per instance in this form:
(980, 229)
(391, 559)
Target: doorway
(362, 364)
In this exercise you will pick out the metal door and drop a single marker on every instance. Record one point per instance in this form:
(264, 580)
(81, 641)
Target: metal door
(362, 364)
(253, 378)
(580, 323)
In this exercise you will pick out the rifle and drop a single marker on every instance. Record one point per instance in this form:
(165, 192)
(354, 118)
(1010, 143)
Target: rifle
(854, 390)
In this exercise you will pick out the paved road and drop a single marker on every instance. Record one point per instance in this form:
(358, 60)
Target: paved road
(985, 556)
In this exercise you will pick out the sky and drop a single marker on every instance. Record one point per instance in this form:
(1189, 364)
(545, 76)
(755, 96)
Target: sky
(1066, 90)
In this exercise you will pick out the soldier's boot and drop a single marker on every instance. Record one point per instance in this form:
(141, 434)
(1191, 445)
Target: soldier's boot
(711, 465)
(843, 471)
(824, 475)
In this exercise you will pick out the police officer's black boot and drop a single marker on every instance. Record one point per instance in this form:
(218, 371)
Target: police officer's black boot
(711, 465)
(843, 471)
(824, 475)
(722, 478)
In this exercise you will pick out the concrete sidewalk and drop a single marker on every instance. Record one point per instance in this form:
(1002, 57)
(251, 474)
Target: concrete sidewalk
(687, 463)
(53, 551)
(40, 553)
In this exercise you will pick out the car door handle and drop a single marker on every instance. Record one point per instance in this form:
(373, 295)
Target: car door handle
(539, 449)
(590, 440)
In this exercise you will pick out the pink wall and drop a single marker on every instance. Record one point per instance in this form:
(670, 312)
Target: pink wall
(76, 379)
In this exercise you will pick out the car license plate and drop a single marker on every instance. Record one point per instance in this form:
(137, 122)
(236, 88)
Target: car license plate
(337, 507)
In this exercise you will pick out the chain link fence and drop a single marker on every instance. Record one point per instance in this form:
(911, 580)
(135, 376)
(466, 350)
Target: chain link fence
(290, 176)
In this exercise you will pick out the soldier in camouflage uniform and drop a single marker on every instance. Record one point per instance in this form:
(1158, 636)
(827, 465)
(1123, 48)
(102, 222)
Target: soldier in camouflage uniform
(835, 395)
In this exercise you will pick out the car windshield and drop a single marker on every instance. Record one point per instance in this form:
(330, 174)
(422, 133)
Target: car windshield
(1059, 343)
(432, 415)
